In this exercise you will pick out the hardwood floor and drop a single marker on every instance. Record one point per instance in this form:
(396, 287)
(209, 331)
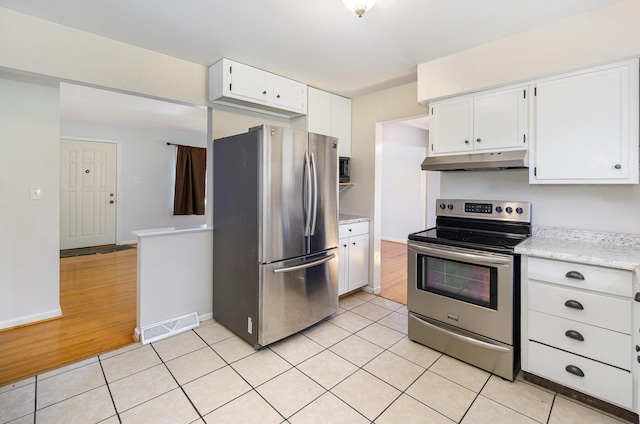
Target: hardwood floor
(98, 301)
(393, 271)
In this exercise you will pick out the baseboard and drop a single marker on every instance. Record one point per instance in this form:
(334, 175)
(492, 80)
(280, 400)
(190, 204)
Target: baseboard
(582, 397)
(205, 317)
(30, 319)
(394, 240)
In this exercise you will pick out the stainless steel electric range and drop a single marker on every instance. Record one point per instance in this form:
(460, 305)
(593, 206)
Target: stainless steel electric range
(463, 288)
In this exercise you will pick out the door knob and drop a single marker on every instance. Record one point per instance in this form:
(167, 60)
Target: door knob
(111, 201)
(110, 194)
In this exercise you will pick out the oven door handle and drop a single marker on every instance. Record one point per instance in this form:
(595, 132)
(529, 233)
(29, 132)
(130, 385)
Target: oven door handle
(460, 336)
(460, 255)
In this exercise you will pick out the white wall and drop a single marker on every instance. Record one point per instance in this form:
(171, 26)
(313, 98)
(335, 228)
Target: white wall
(605, 208)
(175, 276)
(143, 154)
(367, 114)
(602, 36)
(29, 236)
(404, 184)
(38, 46)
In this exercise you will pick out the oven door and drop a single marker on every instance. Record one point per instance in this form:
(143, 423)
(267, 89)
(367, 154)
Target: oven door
(467, 289)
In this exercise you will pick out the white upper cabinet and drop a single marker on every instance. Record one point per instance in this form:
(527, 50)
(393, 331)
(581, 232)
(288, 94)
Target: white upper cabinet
(341, 123)
(451, 126)
(586, 127)
(249, 83)
(330, 114)
(484, 122)
(319, 111)
(289, 94)
(238, 85)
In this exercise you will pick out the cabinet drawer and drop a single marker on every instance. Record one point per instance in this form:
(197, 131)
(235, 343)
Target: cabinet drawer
(597, 343)
(603, 381)
(599, 310)
(348, 230)
(599, 279)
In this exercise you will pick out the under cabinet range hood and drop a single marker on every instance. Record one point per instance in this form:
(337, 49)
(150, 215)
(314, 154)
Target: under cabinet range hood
(478, 161)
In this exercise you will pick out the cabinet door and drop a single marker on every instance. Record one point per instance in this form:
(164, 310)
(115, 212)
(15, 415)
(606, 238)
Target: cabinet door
(343, 266)
(289, 94)
(582, 127)
(341, 123)
(499, 119)
(358, 261)
(249, 83)
(452, 126)
(319, 112)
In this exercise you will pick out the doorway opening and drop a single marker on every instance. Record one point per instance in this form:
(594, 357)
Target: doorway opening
(406, 196)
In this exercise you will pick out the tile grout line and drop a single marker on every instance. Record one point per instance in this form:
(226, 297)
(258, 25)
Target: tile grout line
(115, 408)
(35, 399)
(228, 364)
(174, 379)
(416, 379)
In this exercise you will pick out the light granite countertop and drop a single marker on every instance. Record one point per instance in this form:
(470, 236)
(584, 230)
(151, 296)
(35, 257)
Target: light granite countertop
(351, 219)
(612, 250)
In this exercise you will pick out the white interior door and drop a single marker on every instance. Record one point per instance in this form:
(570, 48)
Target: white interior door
(87, 194)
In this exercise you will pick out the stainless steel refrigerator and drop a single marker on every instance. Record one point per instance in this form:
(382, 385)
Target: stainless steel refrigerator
(275, 218)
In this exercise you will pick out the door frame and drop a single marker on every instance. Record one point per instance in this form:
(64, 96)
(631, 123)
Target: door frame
(118, 179)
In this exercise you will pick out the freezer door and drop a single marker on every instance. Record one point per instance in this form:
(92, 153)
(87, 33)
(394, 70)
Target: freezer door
(296, 294)
(283, 183)
(323, 153)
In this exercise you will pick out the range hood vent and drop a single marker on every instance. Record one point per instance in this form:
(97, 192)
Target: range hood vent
(478, 161)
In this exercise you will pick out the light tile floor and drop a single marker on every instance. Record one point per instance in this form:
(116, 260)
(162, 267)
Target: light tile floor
(358, 366)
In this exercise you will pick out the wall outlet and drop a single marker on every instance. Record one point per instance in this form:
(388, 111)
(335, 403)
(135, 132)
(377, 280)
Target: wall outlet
(136, 180)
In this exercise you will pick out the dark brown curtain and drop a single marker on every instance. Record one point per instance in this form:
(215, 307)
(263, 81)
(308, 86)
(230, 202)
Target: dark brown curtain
(191, 165)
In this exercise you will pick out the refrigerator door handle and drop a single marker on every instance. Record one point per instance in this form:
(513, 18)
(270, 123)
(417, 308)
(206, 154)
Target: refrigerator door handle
(314, 207)
(307, 195)
(303, 266)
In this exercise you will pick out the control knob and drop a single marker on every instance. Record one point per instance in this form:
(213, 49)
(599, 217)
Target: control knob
(509, 209)
(450, 206)
(442, 206)
(519, 211)
(498, 209)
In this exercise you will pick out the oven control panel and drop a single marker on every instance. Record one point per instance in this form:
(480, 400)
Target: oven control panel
(485, 209)
(478, 207)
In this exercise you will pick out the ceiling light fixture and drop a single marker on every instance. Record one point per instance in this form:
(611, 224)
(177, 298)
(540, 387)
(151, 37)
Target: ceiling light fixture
(359, 6)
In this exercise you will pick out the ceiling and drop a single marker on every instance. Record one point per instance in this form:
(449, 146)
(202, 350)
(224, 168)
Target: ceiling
(318, 42)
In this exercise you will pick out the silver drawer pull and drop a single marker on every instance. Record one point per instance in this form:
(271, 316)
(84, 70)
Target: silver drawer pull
(573, 304)
(572, 334)
(572, 369)
(575, 275)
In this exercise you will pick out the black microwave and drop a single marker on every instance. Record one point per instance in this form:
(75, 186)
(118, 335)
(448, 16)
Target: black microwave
(344, 169)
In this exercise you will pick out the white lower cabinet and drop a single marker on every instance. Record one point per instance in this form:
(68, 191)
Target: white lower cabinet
(353, 251)
(588, 376)
(576, 327)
